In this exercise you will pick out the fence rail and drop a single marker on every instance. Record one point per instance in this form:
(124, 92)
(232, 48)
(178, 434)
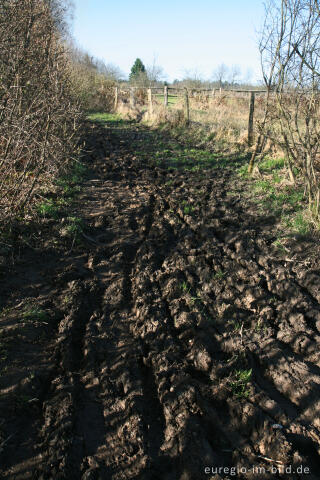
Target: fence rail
(131, 93)
(192, 89)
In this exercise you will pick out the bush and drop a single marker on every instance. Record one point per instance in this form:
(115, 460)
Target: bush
(95, 92)
(93, 87)
(39, 113)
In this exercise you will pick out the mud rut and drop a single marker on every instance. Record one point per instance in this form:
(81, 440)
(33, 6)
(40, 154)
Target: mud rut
(136, 372)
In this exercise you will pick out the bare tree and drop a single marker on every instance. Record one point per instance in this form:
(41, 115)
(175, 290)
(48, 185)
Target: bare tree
(112, 72)
(155, 73)
(290, 59)
(234, 74)
(193, 78)
(93, 80)
(62, 14)
(220, 74)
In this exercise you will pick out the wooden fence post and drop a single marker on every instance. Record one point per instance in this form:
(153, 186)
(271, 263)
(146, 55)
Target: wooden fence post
(165, 96)
(115, 98)
(213, 92)
(187, 110)
(250, 121)
(132, 99)
(150, 101)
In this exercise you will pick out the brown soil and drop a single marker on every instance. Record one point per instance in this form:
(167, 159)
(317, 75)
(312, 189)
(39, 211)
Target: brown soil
(141, 367)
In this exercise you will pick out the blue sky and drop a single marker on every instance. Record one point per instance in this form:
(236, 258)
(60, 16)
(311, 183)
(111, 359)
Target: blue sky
(181, 34)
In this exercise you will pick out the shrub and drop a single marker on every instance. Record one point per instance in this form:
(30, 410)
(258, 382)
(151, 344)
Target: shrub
(93, 88)
(39, 115)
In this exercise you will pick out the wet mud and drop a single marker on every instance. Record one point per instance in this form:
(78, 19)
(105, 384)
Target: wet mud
(176, 340)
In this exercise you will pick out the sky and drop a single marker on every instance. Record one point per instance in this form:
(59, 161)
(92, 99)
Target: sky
(181, 36)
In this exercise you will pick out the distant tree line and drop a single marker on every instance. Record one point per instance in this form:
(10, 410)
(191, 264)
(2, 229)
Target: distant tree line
(92, 73)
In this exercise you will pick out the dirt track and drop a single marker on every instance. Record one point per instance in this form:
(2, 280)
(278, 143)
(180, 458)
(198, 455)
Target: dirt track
(174, 341)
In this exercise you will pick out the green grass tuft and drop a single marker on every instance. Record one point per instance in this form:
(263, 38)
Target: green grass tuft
(271, 164)
(239, 386)
(298, 224)
(48, 209)
(219, 274)
(35, 314)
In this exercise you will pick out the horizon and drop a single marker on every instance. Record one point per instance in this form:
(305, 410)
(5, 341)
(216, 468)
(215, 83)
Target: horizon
(177, 37)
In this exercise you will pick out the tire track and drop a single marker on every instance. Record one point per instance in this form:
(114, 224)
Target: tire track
(184, 341)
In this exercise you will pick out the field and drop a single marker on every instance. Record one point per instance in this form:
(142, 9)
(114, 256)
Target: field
(223, 117)
(160, 321)
(172, 99)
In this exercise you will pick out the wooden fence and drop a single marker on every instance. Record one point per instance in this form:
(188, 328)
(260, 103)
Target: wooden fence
(186, 93)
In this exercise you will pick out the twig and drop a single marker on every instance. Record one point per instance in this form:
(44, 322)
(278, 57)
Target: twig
(90, 239)
(5, 441)
(270, 460)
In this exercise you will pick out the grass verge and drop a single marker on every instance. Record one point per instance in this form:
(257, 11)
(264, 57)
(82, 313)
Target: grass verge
(102, 118)
(274, 194)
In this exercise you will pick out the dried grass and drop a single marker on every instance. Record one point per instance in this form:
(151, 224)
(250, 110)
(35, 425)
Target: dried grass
(224, 117)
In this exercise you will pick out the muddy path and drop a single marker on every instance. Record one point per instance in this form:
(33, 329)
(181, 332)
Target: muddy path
(177, 343)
